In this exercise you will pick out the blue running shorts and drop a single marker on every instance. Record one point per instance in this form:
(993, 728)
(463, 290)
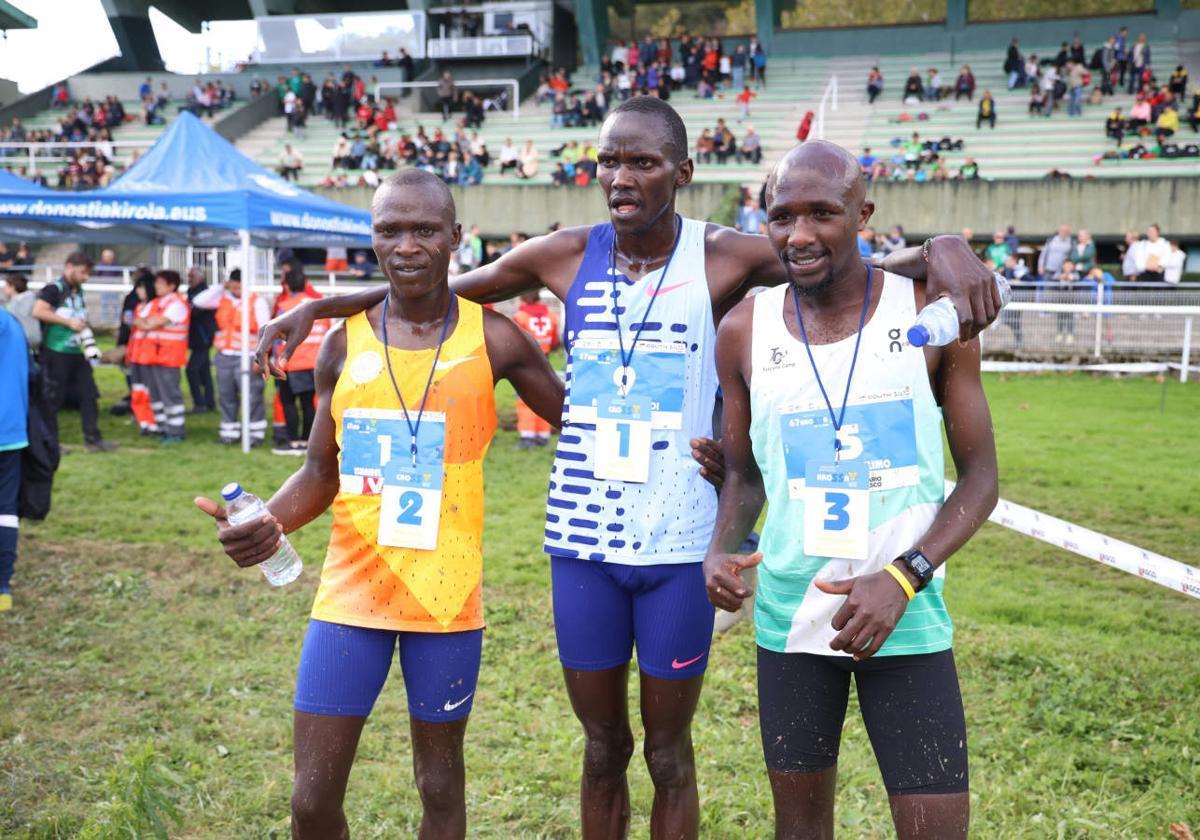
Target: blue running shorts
(602, 610)
(343, 669)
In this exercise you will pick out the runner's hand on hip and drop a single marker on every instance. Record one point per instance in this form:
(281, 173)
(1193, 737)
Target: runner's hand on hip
(247, 544)
(707, 453)
(873, 607)
(723, 578)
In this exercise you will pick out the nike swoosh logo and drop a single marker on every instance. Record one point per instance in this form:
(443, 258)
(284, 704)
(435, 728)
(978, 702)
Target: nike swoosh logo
(653, 293)
(676, 664)
(449, 363)
(450, 707)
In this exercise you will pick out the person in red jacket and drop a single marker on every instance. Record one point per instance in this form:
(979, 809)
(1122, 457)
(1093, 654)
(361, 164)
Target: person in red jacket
(297, 391)
(164, 353)
(537, 319)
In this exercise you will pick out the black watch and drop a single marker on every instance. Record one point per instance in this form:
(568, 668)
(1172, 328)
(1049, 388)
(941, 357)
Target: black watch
(919, 565)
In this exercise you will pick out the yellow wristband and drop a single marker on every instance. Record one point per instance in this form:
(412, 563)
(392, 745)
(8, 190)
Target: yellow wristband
(901, 579)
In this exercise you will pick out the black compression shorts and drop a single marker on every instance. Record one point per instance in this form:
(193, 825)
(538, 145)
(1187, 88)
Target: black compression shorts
(911, 706)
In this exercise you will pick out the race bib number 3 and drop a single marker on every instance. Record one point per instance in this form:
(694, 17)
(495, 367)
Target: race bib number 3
(836, 509)
(410, 506)
(622, 440)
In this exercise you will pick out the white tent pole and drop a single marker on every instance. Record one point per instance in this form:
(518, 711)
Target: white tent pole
(247, 287)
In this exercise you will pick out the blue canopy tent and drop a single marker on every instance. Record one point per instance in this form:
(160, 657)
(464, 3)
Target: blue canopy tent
(191, 187)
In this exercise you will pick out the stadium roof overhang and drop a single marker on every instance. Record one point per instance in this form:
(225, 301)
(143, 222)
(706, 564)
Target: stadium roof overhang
(13, 18)
(190, 14)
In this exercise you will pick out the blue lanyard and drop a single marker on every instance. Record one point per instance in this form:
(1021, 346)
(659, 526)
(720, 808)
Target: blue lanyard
(612, 274)
(837, 419)
(387, 354)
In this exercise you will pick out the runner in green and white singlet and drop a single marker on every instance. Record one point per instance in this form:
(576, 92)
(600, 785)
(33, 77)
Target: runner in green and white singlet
(835, 422)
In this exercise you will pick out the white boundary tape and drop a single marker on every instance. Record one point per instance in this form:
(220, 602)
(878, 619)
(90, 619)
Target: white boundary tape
(1086, 543)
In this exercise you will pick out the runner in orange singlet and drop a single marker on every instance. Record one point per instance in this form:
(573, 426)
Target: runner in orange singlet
(405, 415)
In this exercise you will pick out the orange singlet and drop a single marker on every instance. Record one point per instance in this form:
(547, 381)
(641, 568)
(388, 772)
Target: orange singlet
(370, 585)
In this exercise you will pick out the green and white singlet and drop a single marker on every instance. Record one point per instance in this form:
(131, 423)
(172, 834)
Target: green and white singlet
(892, 422)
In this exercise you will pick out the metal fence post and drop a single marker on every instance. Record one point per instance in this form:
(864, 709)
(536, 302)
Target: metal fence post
(1099, 318)
(1187, 348)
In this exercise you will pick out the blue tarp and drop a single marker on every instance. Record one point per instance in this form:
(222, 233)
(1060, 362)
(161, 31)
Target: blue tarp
(192, 186)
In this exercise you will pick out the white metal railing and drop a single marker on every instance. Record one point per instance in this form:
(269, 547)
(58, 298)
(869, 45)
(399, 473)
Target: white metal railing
(512, 84)
(493, 46)
(31, 154)
(828, 98)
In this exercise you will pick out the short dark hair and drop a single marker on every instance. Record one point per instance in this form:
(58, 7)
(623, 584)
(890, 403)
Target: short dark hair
(293, 276)
(19, 282)
(78, 258)
(235, 275)
(172, 277)
(676, 130)
(411, 176)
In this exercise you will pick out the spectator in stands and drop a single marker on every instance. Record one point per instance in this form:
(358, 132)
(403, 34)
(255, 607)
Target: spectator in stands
(1167, 124)
(987, 111)
(559, 176)
(969, 171)
(362, 268)
(508, 156)
(1130, 256)
(558, 114)
(728, 146)
(1065, 321)
(759, 57)
(445, 94)
(1178, 83)
(705, 146)
(1076, 52)
(866, 243)
(1152, 256)
(867, 161)
(1083, 253)
(620, 55)
(874, 85)
(1053, 88)
(1194, 113)
(964, 85)
(1175, 262)
(1014, 268)
(1076, 73)
(894, 241)
(1107, 65)
(913, 89)
(998, 251)
(737, 68)
(1011, 239)
(1014, 66)
(107, 266)
(751, 146)
(384, 60)
(912, 151)
(471, 172)
(1139, 62)
(1140, 114)
(1114, 126)
(358, 148)
(750, 217)
(935, 87)
(743, 100)
(528, 162)
(1055, 252)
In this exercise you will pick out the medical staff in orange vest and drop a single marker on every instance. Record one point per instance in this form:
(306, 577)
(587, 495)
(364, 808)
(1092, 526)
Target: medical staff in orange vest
(298, 391)
(228, 301)
(164, 353)
(537, 319)
(135, 358)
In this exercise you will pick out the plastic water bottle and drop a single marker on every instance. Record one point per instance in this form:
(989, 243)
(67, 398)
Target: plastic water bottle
(937, 323)
(284, 566)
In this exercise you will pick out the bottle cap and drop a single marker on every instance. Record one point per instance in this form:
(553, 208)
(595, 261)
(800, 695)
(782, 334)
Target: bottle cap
(231, 491)
(918, 335)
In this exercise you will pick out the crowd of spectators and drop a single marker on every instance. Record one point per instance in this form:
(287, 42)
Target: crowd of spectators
(719, 144)
(918, 160)
(460, 158)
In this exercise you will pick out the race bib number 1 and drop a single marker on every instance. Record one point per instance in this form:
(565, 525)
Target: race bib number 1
(410, 507)
(622, 439)
(837, 509)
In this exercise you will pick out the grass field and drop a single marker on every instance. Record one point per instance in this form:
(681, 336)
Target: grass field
(144, 677)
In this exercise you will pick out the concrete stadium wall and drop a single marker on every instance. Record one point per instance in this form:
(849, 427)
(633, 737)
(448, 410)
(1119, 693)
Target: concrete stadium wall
(1107, 207)
(893, 40)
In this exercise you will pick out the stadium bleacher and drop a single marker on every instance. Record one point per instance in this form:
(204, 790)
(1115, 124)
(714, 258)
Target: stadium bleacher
(1021, 146)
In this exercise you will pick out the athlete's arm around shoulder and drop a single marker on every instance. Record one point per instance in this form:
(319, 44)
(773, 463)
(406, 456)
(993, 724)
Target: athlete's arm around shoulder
(742, 495)
(516, 357)
(968, 422)
(309, 491)
(551, 261)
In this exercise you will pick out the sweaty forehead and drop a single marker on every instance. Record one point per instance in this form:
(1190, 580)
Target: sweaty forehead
(826, 182)
(634, 133)
(413, 201)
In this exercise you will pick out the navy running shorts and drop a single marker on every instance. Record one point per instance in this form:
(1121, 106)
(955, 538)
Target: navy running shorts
(911, 706)
(602, 610)
(343, 669)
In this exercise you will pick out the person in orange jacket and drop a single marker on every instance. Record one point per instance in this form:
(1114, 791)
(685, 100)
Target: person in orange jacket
(296, 393)
(135, 358)
(537, 319)
(163, 353)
